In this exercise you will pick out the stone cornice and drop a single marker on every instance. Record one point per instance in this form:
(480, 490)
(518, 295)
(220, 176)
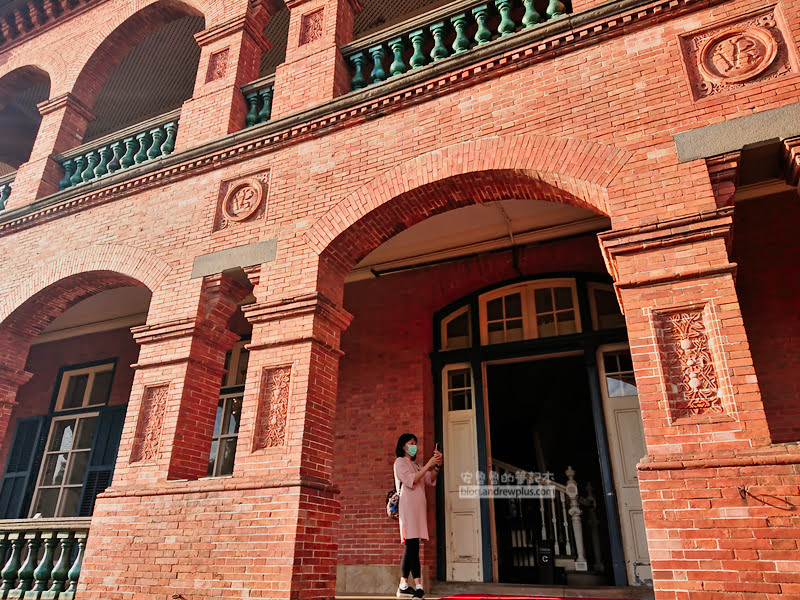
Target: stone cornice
(63, 101)
(491, 60)
(243, 23)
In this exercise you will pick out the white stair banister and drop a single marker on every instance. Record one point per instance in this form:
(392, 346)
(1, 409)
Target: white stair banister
(577, 527)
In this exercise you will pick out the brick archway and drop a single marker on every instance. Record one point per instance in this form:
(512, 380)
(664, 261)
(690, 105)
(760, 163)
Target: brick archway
(537, 167)
(55, 286)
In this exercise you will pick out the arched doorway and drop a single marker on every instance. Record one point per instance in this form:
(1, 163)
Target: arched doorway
(536, 405)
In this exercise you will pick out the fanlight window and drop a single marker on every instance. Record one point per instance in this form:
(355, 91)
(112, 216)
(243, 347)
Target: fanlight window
(605, 309)
(457, 330)
(529, 311)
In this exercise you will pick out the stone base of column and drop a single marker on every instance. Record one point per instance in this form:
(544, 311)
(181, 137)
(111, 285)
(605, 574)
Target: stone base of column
(216, 538)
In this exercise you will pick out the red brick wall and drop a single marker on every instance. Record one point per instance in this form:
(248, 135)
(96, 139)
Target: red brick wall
(45, 360)
(386, 387)
(766, 247)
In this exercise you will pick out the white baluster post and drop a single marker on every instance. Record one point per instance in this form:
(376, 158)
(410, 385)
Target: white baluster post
(577, 527)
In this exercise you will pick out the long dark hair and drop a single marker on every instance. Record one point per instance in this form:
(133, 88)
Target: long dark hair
(401, 442)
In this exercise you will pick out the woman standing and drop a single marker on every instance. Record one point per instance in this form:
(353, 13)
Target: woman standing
(410, 479)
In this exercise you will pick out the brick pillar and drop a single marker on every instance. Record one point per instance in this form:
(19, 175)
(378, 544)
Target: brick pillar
(64, 121)
(230, 57)
(287, 429)
(174, 397)
(707, 437)
(13, 354)
(314, 70)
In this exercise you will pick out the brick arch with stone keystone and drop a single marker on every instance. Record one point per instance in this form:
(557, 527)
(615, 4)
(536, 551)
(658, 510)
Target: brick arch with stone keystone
(566, 170)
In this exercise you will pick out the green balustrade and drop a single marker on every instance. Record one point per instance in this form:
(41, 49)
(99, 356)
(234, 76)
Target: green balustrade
(5, 192)
(150, 141)
(451, 30)
(42, 564)
(258, 96)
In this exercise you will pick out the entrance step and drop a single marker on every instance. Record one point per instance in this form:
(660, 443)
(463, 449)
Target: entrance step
(476, 591)
(499, 591)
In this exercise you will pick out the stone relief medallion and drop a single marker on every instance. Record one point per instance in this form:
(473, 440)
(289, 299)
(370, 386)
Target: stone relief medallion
(733, 57)
(736, 53)
(241, 200)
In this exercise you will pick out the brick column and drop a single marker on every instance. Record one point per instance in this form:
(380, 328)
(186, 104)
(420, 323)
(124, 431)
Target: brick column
(287, 428)
(175, 393)
(230, 57)
(314, 70)
(710, 470)
(13, 355)
(64, 121)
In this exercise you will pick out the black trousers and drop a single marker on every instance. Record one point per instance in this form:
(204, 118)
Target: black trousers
(410, 563)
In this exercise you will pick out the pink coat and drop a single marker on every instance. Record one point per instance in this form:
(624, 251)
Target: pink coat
(413, 508)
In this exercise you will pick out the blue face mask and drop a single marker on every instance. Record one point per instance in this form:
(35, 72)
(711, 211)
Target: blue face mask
(412, 449)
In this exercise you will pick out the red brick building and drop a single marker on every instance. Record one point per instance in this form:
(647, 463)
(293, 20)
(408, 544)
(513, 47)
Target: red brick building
(246, 244)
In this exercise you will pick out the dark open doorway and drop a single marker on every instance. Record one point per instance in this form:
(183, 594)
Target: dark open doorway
(540, 422)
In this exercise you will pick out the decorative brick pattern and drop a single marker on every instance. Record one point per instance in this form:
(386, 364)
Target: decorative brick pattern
(689, 367)
(151, 419)
(311, 27)
(217, 65)
(242, 201)
(737, 53)
(272, 408)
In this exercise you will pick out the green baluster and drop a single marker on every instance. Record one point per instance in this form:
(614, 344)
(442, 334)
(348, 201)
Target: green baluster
(461, 43)
(69, 170)
(118, 149)
(26, 572)
(92, 159)
(11, 568)
(378, 74)
(252, 112)
(102, 168)
(532, 17)
(439, 50)
(61, 570)
(556, 9)
(5, 543)
(5, 192)
(157, 135)
(266, 104)
(130, 151)
(417, 40)
(44, 570)
(358, 81)
(482, 35)
(75, 572)
(80, 165)
(507, 25)
(169, 144)
(144, 141)
(398, 66)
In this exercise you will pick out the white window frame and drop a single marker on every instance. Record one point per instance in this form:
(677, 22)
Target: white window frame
(527, 291)
(446, 389)
(92, 371)
(451, 317)
(70, 453)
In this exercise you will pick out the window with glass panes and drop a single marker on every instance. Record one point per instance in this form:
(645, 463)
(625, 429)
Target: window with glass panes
(229, 411)
(620, 380)
(529, 311)
(459, 389)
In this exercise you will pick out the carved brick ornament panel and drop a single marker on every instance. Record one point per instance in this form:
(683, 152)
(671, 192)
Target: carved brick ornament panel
(736, 53)
(690, 373)
(311, 26)
(151, 419)
(217, 65)
(273, 407)
(241, 200)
